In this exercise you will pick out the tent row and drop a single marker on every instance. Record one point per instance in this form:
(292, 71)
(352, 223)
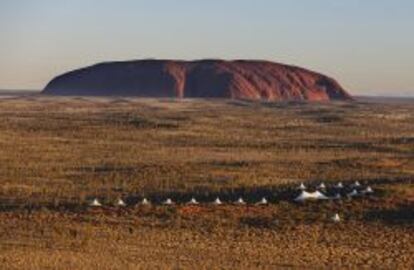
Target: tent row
(338, 186)
(335, 218)
(303, 196)
(193, 201)
(318, 195)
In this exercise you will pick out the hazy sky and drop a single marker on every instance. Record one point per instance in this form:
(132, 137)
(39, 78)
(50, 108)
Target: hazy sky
(367, 45)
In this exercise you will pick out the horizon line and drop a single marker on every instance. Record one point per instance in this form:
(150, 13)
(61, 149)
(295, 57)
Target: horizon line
(5, 90)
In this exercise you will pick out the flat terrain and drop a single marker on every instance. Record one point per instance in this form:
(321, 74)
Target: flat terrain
(57, 154)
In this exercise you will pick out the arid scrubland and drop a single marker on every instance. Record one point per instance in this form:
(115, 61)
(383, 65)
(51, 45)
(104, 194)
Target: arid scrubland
(56, 154)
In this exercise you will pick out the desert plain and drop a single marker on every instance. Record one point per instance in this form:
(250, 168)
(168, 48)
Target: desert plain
(57, 154)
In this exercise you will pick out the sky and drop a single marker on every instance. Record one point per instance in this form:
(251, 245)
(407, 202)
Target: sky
(367, 45)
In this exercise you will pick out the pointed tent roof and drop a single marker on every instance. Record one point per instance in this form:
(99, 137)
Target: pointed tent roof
(336, 218)
(263, 201)
(95, 202)
(368, 190)
(240, 201)
(339, 185)
(168, 202)
(193, 201)
(317, 195)
(145, 201)
(353, 193)
(322, 186)
(120, 202)
(217, 201)
(356, 184)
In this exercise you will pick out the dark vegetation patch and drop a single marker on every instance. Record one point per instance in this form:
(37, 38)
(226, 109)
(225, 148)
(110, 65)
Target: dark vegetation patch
(104, 169)
(259, 222)
(402, 214)
(140, 122)
(329, 119)
(237, 163)
(402, 140)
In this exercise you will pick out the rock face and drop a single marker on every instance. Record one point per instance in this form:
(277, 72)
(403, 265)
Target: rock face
(240, 79)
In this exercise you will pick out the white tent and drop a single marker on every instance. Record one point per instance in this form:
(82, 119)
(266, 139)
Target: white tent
(304, 196)
(168, 202)
(302, 186)
(322, 186)
(218, 201)
(120, 202)
(240, 201)
(336, 197)
(368, 190)
(339, 185)
(145, 201)
(95, 202)
(263, 201)
(356, 184)
(193, 201)
(336, 218)
(353, 193)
